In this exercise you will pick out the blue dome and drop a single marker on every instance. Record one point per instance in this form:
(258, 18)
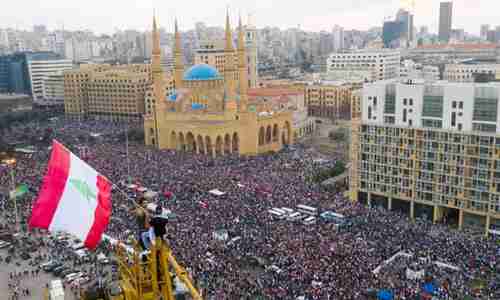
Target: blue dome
(196, 106)
(201, 72)
(172, 97)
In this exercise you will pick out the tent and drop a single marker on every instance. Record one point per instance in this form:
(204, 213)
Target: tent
(216, 192)
(385, 295)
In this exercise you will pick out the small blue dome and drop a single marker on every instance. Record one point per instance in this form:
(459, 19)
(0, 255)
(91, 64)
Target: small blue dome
(172, 97)
(196, 106)
(201, 72)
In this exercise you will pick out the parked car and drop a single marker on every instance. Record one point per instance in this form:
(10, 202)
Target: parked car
(52, 266)
(4, 244)
(58, 270)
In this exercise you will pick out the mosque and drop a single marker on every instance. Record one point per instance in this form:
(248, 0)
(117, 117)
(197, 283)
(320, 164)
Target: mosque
(208, 112)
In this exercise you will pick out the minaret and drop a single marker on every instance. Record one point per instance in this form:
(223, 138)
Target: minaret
(158, 80)
(242, 69)
(158, 77)
(229, 70)
(156, 53)
(178, 59)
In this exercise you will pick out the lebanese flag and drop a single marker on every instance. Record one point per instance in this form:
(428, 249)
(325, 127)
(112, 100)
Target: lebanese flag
(73, 198)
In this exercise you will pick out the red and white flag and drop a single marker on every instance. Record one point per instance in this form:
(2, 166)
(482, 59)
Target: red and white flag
(73, 198)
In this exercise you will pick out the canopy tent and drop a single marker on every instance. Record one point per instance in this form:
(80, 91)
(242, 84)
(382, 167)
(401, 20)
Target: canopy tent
(216, 192)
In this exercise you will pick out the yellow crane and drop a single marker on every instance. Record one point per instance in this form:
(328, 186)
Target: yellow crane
(149, 279)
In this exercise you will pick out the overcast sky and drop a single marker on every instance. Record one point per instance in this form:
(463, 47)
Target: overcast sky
(104, 16)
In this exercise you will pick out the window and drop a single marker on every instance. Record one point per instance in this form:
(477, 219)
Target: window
(485, 109)
(410, 122)
(453, 119)
(454, 104)
(375, 101)
(369, 112)
(411, 102)
(432, 107)
(461, 105)
(404, 115)
(459, 126)
(405, 101)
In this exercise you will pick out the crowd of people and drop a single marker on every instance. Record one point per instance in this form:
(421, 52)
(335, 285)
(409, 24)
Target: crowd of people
(271, 259)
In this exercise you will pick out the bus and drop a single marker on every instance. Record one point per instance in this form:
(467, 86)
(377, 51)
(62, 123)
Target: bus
(294, 216)
(309, 221)
(276, 214)
(307, 210)
(333, 217)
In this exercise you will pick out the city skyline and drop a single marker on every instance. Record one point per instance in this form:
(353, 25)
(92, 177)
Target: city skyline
(313, 16)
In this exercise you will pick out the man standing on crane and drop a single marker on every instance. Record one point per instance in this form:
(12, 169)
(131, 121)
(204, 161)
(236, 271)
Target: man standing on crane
(142, 219)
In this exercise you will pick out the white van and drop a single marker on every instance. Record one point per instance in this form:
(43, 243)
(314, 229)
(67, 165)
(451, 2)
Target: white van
(277, 213)
(294, 217)
(309, 221)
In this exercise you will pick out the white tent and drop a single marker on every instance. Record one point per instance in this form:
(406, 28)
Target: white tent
(216, 192)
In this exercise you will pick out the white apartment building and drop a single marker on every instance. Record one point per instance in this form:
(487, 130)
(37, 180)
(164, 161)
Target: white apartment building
(430, 150)
(40, 69)
(467, 72)
(53, 89)
(373, 65)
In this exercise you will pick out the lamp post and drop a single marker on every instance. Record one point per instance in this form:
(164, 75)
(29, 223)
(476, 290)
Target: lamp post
(12, 162)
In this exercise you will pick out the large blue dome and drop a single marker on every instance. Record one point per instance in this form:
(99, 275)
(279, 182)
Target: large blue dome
(201, 72)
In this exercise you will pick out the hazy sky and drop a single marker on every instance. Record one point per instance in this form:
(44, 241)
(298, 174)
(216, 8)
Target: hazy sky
(104, 16)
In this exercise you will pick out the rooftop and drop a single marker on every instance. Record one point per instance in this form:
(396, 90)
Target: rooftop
(273, 92)
(459, 46)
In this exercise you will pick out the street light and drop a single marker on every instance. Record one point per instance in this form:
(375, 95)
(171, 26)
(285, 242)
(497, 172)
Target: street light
(12, 162)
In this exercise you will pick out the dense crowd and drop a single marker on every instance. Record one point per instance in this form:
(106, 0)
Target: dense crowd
(272, 259)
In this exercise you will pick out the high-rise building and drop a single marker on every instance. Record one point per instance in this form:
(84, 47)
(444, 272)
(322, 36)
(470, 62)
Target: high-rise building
(53, 89)
(429, 150)
(484, 32)
(106, 92)
(405, 17)
(4, 39)
(338, 38)
(372, 65)
(24, 73)
(445, 21)
(391, 34)
(40, 68)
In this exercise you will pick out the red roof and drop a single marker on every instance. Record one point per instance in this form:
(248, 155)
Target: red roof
(273, 92)
(459, 46)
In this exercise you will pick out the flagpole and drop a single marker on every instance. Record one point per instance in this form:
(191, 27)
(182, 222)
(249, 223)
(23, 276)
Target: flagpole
(128, 160)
